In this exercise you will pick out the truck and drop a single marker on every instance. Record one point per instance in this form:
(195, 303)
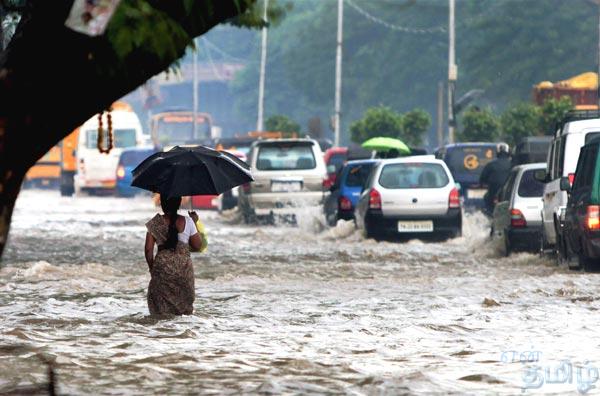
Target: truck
(582, 89)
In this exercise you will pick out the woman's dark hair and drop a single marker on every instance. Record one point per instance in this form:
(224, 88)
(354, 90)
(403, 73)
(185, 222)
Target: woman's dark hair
(170, 207)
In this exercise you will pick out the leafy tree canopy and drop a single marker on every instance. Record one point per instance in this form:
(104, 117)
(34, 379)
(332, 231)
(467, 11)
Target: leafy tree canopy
(553, 110)
(415, 124)
(520, 120)
(281, 123)
(377, 121)
(479, 125)
(503, 47)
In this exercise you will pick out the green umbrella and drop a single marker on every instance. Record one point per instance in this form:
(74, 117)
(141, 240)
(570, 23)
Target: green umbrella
(382, 143)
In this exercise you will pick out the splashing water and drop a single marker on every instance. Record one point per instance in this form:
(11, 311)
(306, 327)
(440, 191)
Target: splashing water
(305, 309)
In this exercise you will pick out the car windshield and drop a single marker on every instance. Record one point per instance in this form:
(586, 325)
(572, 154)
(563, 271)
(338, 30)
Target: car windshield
(133, 158)
(358, 174)
(469, 159)
(413, 175)
(122, 138)
(285, 157)
(529, 187)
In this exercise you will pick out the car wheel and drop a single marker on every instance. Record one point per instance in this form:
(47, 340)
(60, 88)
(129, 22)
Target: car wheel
(369, 233)
(507, 247)
(585, 263)
(331, 219)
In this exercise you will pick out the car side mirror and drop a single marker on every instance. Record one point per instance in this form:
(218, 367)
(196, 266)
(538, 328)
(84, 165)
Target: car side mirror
(565, 184)
(541, 175)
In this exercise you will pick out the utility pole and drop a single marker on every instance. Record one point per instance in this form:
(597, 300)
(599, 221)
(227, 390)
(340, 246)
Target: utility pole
(195, 88)
(338, 74)
(263, 64)
(452, 71)
(440, 115)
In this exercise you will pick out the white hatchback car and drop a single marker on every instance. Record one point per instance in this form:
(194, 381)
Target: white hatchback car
(517, 218)
(410, 195)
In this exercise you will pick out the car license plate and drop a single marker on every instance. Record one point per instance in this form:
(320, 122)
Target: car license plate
(286, 186)
(415, 226)
(476, 194)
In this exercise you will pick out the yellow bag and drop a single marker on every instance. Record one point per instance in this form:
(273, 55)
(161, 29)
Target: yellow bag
(202, 231)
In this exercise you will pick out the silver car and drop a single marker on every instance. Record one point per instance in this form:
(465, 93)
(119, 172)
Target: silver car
(412, 195)
(288, 174)
(517, 218)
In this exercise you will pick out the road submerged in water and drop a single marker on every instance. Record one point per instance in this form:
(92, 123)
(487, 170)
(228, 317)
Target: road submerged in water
(286, 310)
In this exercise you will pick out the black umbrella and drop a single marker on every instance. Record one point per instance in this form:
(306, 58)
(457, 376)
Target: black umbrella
(185, 171)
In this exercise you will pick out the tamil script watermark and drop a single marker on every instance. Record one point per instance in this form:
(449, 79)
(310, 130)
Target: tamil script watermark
(535, 375)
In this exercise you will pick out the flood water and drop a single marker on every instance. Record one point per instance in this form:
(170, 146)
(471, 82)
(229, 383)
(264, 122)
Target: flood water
(284, 310)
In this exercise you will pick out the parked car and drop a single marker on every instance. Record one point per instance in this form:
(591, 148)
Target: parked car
(531, 149)
(466, 162)
(129, 159)
(582, 215)
(340, 204)
(288, 173)
(575, 130)
(517, 217)
(410, 195)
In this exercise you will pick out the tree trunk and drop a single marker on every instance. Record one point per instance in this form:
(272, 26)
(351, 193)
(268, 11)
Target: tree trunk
(53, 79)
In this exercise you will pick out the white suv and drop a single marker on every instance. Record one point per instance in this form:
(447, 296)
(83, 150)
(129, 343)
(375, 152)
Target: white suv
(410, 195)
(288, 174)
(575, 130)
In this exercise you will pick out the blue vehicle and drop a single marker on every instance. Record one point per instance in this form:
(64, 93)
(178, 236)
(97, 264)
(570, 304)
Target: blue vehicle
(340, 204)
(466, 162)
(128, 160)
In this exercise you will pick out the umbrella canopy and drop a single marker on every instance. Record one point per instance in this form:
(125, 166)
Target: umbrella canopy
(386, 144)
(185, 171)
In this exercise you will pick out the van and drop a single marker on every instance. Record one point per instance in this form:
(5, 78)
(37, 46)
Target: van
(531, 149)
(96, 171)
(575, 130)
(466, 162)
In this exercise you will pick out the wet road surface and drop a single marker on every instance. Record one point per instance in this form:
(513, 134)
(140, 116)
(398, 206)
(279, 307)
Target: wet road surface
(285, 310)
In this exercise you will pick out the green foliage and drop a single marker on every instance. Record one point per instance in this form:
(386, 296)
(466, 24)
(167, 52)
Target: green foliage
(137, 25)
(520, 120)
(383, 121)
(377, 121)
(281, 123)
(143, 25)
(415, 124)
(553, 110)
(504, 47)
(479, 125)
(253, 17)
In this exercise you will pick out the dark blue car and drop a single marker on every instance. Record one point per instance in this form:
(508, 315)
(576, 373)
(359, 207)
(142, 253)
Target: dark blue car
(345, 192)
(129, 159)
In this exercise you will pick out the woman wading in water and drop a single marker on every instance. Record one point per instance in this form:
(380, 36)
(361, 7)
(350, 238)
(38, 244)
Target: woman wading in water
(171, 289)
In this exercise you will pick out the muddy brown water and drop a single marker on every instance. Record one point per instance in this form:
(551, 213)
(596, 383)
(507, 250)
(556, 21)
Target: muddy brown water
(286, 310)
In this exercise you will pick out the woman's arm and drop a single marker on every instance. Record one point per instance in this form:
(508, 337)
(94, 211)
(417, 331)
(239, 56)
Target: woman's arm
(196, 242)
(149, 250)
